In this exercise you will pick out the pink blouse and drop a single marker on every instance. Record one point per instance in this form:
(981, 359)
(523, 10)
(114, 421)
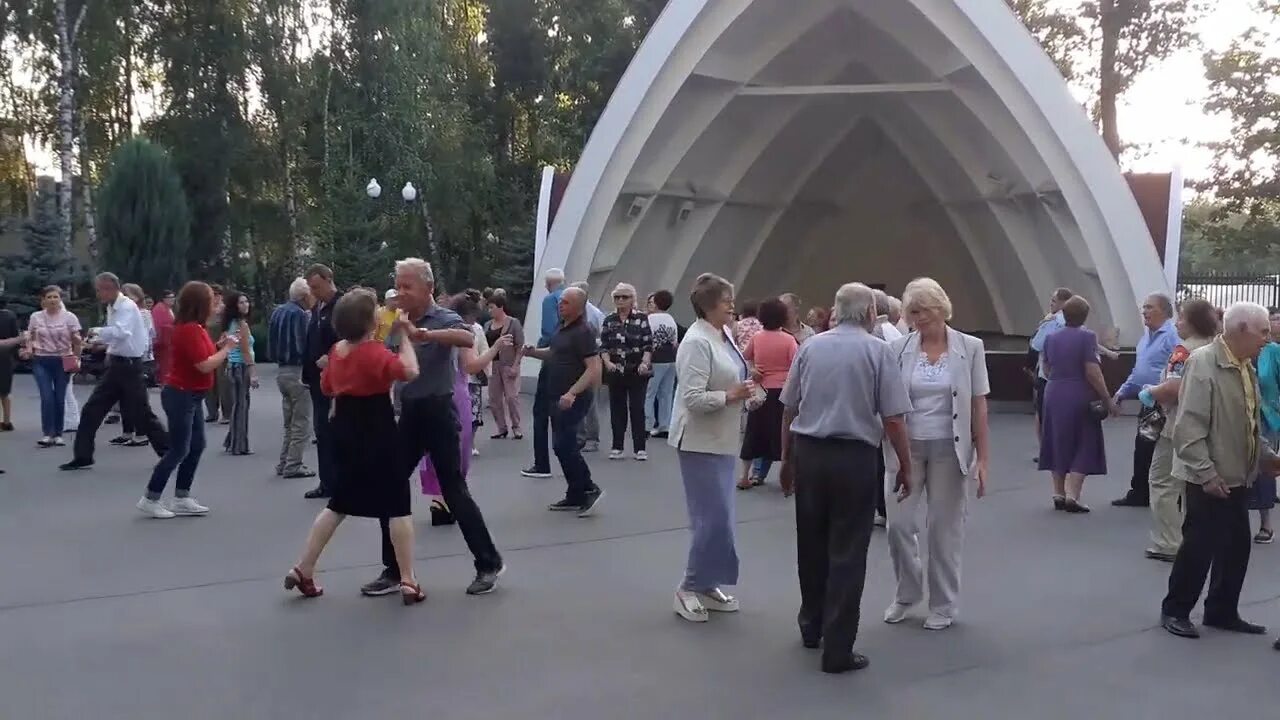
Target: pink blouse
(50, 335)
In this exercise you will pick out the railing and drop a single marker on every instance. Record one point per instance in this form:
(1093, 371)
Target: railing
(1223, 289)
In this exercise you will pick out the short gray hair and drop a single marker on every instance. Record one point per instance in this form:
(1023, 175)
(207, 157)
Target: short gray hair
(1245, 316)
(418, 266)
(582, 285)
(133, 292)
(298, 289)
(109, 277)
(555, 275)
(855, 304)
(882, 301)
(1165, 303)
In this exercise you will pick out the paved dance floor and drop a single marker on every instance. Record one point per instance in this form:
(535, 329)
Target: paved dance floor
(107, 614)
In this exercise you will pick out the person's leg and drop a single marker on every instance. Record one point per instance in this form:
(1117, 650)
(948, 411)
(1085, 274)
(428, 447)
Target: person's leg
(618, 412)
(195, 449)
(145, 421)
(1074, 486)
(1230, 559)
(211, 398)
(324, 442)
(1140, 482)
(176, 410)
(812, 527)
(666, 396)
(287, 402)
(947, 489)
(321, 532)
(226, 398)
(708, 484)
(541, 420)
(589, 425)
(564, 429)
(881, 509)
(103, 397)
(636, 391)
(498, 399)
(412, 432)
(70, 409)
(1166, 500)
(852, 481)
(1059, 486)
(42, 372)
(650, 402)
(300, 430)
(1200, 540)
(511, 389)
(443, 443)
(61, 389)
(904, 530)
(6, 409)
(401, 531)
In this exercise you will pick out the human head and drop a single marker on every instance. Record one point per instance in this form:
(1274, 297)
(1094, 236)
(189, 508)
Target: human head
(300, 292)
(1075, 311)
(818, 318)
(712, 299)
(792, 302)
(772, 314)
(663, 300)
(320, 279)
(895, 310)
(166, 298)
(354, 315)
(415, 286)
(148, 303)
(107, 287)
(1246, 328)
(391, 299)
(1059, 298)
(51, 298)
(573, 302)
(554, 279)
(194, 304)
(584, 286)
(498, 306)
(624, 297)
(926, 304)
(1197, 318)
(750, 308)
(134, 293)
(856, 305)
(1275, 322)
(1156, 310)
(882, 302)
(235, 306)
(466, 306)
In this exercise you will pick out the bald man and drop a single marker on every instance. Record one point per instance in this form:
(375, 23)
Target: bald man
(572, 362)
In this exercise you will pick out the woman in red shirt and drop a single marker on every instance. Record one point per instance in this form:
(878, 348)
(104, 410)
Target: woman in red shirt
(770, 353)
(193, 360)
(369, 482)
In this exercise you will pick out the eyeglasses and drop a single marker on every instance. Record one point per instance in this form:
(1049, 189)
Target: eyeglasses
(621, 297)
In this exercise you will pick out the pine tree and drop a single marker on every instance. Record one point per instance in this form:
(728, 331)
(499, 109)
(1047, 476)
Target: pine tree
(144, 220)
(43, 261)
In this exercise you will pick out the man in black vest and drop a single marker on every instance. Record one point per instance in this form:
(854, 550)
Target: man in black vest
(320, 337)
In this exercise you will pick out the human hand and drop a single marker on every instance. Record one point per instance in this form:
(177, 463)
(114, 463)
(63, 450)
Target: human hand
(644, 369)
(901, 487)
(402, 324)
(1217, 487)
(253, 382)
(567, 400)
(756, 375)
(503, 342)
(24, 353)
(741, 391)
(322, 362)
(1113, 407)
(787, 478)
(980, 474)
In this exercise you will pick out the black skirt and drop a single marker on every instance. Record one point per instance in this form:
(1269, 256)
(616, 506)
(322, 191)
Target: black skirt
(369, 480)
(763, 437)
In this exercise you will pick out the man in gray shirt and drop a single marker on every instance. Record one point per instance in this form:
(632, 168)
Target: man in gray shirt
(589, 430)
(429, 424)
(843, 395)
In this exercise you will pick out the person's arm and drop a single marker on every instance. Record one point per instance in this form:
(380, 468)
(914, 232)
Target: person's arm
(473, 363)
(118, 329)
(409, 359)
(646, 344)
(298, 333)
(1141, 366)
(516, 332)
(550, 319)
(459, 337)
(244, 338)
(540, 353)
(895, 428)
(693, 367)
(589, 379)
(14, 341)
(980, 387)
(1093, 373)
(182, 345)
(1191, 423)
(607, 344)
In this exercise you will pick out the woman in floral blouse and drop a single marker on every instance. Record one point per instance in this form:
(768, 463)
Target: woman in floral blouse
(626, 347)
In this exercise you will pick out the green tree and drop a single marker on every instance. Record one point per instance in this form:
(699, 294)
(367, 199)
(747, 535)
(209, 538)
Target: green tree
(144, 219)
(43, 260)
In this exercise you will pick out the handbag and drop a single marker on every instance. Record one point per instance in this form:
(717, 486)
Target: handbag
(70, 364)
(1098, 410)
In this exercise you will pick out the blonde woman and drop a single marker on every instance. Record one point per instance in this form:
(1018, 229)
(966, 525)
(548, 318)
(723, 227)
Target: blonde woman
(945, 373)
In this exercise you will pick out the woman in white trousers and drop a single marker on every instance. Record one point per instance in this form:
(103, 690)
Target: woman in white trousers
(945, 372)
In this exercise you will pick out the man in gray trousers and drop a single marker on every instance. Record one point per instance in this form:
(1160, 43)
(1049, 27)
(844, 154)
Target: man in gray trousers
(288, 342)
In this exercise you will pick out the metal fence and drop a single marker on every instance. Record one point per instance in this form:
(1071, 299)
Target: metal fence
(1223, 289)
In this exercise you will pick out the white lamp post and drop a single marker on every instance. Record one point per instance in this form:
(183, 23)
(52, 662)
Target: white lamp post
(373, 189)
(409, 192)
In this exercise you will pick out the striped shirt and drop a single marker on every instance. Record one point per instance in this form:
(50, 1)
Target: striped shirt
(287, 334)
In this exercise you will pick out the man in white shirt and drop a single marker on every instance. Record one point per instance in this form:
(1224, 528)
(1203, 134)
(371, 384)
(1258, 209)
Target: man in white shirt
(885, 329)
(127, 340)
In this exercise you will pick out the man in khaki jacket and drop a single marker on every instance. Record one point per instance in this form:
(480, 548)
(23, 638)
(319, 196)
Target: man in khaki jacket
(1218, 451)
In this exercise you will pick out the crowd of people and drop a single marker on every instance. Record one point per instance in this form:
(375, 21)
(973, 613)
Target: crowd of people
(871, 396)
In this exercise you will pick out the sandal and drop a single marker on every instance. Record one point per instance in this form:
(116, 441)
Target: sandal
(1265, 536)
(1075, 506)
(499, 436)
(411, 593)
(305, 585)
(745, 484)
(518, 435)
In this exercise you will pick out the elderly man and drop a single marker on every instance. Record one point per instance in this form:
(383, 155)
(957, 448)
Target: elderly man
(572, 359)
(320, 338)
(287, 339)
(1219, 449)
(843, 395)
(541, 467)
(1154, 349)
(798, 329)
(589, 428)
(127, 340)
(884, 329)
(429, 424)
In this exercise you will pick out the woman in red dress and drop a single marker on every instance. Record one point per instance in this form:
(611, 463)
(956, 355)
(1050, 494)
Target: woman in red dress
(358, 377)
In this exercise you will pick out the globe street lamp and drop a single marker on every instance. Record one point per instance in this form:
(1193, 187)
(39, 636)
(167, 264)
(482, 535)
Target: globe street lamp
(373, 189)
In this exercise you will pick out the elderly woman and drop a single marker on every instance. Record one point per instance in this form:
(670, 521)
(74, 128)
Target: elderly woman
(712, 389)
(944, 372)
(1071, 443)
(1197, 326)
(626, 349)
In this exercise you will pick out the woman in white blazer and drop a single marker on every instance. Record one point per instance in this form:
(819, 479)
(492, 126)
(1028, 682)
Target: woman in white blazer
(712, 388)
(945, 372)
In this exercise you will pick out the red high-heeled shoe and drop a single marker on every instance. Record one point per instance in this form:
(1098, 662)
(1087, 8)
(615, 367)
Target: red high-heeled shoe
(305, 585)
(411, 593)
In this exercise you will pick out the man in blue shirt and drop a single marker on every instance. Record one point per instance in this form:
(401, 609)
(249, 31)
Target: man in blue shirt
(1154, 349)
(1050, 325)
(287, 340)
(541, 467)
(589, 430)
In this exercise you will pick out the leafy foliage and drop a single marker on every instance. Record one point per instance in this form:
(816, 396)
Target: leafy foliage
(144, 220)
(43, 261)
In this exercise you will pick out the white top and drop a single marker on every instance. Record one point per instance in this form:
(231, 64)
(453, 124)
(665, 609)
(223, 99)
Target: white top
(150, 324)
(125, 332)
(481, 346)
(666, 337)
(931, 399)
(888, 332)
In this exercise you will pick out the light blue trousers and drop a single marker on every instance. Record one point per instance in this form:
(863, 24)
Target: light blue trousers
(709, 493)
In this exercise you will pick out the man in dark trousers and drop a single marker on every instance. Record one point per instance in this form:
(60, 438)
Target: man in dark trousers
(542, 401)
(127, 340)
(430, 424)
(320, 337)
(1158, 341)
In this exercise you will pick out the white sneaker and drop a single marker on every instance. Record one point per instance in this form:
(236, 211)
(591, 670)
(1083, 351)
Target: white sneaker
(881, 521)
(937, 622)
(642, 456)
(59, 442)
(718, 601)
(187, 506)
(896, 613)
(688, 606)
(475, 452)
(615, 454)
(154, 509)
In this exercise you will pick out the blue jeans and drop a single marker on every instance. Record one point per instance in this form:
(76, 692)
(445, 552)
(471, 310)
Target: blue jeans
(51, 380)
(760, 468)
(662, 389)
(186, 441)
(564, 441)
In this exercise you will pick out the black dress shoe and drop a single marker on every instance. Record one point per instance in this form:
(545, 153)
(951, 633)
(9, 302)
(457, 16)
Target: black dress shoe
(1179, 626)
(1161, 556)
(316, 494)
(1130, 501)
(853, 661)
(76, 465)
(810, 643)
(1237, 625)
(1276, 646)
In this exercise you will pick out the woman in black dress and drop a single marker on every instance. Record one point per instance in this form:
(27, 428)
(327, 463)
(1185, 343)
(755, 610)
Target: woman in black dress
(358, 377)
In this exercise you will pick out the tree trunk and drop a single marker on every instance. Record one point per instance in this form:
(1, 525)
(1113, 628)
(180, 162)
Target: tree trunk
(1112, 23)
(86, 187)
(66, 120)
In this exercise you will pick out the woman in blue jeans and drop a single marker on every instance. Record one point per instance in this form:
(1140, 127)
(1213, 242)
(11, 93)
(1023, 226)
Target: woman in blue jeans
(53, 345)
(193, 361)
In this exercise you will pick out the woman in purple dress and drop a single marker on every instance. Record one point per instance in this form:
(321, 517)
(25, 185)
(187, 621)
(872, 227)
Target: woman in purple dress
(1072, 446)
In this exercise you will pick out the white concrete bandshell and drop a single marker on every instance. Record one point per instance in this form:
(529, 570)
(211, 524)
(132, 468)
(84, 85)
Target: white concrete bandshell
(795, 146)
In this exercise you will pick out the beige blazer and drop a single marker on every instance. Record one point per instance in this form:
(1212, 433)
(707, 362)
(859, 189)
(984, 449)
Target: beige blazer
(967, 363)
(708, 364)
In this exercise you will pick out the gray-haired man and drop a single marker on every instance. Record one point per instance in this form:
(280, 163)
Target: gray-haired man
(287, 338)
